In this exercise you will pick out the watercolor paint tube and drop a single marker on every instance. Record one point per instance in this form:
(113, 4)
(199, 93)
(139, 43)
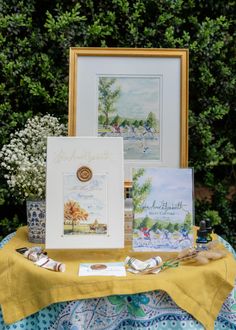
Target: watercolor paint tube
(142, 265)
(33, 256)
(34, 253)
(51, 264)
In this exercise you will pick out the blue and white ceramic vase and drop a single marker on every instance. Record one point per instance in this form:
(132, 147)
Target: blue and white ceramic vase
(36, 220)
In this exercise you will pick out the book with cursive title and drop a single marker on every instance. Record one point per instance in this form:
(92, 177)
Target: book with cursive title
(163, 209)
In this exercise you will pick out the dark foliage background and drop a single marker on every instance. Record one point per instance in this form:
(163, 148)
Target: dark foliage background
(35, 36)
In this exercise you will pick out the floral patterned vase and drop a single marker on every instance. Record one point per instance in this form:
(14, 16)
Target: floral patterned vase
(36, 220)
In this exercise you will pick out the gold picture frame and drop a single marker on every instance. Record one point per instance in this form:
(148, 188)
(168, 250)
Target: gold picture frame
(160, 75)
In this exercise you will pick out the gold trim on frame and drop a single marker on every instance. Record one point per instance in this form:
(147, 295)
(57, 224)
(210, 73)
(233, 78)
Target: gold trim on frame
(183, 54)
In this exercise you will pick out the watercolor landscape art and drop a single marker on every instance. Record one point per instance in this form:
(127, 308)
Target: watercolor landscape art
(129, 106)
(163, 209)
(85, 209)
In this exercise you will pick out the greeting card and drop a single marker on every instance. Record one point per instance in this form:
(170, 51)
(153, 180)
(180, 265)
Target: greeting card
(163, 209)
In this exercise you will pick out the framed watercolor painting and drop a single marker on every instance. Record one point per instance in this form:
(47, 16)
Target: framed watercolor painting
(138, 94)
(84, 204)
(163, 209)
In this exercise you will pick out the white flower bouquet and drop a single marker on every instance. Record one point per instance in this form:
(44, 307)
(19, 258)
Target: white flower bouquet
(24, 158)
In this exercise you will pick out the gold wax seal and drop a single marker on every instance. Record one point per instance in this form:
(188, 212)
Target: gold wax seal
(84, 173)
(98, 267)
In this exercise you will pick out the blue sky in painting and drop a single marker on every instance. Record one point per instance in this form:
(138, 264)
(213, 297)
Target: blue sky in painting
(91, 195)
(170, 185)
(139, 96)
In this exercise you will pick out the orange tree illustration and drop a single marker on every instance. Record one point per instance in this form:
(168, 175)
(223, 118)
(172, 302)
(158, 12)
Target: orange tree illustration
(74, 212)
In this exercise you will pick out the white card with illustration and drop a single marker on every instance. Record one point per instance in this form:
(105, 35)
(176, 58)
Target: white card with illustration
(85, 210)
(85, 193)
(163, 209)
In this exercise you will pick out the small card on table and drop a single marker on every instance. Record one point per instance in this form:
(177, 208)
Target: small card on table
(102, 269)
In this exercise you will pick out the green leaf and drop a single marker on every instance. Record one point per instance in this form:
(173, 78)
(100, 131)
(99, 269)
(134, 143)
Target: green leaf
(115, 300)
(233, 307)
(136, 311)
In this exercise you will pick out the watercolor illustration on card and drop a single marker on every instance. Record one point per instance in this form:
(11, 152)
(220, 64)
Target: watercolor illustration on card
(130, 107)
(163, 209)
(85, 205)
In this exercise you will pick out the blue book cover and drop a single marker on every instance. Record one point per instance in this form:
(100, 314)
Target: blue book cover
(163, 209)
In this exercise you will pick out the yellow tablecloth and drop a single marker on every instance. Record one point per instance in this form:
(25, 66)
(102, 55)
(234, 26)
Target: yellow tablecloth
(25, 288)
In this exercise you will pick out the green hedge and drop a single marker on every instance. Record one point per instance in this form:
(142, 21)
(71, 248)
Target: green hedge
(35, 37)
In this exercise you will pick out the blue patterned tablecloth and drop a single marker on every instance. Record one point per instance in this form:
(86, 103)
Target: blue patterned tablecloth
(144, 311)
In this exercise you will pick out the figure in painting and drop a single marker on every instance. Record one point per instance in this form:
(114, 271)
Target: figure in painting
(129, 107)
(162, 206)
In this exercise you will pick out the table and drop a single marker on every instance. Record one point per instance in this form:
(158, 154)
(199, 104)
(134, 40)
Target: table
(150, 310)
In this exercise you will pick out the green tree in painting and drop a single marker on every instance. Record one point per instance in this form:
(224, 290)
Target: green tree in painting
(188, 221)
(126, 122)
(176, 227)
(146, 223)
(136, 123)
(157, 226)
(152, 120)
(117, 120)
(141, 123)
(101, 119)
(170, 227)
(136, 223)
(108, 95)
(140, 191)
